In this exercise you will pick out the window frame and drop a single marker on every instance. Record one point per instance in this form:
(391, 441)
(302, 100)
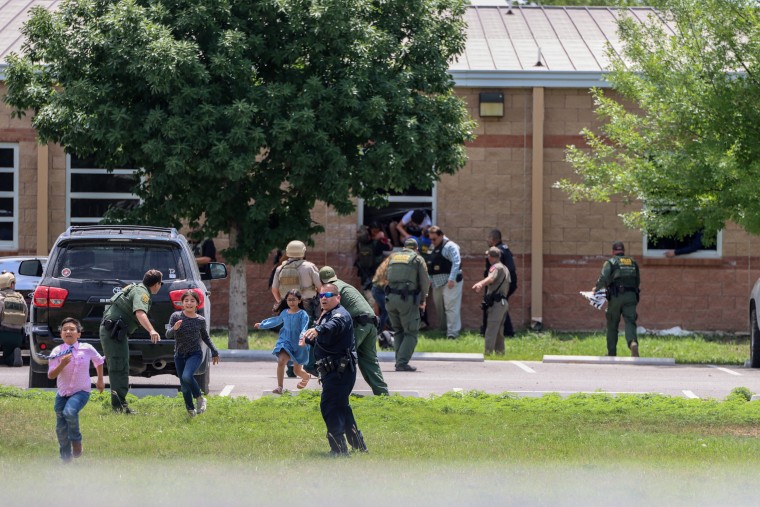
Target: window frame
(13, 194)
(415, 201)
(92, 195)
(699, 254)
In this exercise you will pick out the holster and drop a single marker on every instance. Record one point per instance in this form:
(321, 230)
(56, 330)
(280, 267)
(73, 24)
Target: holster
(119, 330)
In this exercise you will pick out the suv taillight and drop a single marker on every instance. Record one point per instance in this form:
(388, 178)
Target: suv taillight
(176, 297)
(52, 297)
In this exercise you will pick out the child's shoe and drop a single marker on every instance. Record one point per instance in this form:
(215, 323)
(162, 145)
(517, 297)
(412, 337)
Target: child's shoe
(201, 402)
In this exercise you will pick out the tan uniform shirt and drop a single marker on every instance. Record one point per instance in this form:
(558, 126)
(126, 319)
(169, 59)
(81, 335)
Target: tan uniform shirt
(308, 275)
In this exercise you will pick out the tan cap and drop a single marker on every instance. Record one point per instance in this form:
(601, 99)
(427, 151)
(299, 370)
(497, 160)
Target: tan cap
(295, 249)
(6, 280)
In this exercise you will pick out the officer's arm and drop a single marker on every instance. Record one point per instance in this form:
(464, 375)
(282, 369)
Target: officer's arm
(144, 321)
(603, 280)
(456, 263)
(331, 330)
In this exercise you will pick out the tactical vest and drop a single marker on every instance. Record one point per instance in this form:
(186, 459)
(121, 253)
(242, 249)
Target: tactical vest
(438, 264)
(624, 272)
(290, 279)
(402, 270)
(13, 310)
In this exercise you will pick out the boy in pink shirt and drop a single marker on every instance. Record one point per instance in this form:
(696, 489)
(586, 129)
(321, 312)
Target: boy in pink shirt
(70, 365)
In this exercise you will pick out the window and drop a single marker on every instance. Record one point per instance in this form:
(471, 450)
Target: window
(91, 191)
(398, 205)
(658, 248)
(9, 196)
(117, 261)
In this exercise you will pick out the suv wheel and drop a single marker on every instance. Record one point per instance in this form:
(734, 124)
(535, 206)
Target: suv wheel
(39, 380)
(754, 340)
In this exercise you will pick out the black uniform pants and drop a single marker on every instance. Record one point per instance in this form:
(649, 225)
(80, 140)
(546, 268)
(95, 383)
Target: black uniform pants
(336, 411)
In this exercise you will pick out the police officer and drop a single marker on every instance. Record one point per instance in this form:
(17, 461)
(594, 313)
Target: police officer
(494, 239)
(620, 276)
(127, 311)
(333, 342)
(15, 313)
(365, 330)
(297, 273)
(494, 303)
(406, 293)
(445, 270)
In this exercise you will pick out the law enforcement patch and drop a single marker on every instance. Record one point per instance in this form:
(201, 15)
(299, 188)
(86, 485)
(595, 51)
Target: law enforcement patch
(401, 257)
(145, 298)
(626, 262)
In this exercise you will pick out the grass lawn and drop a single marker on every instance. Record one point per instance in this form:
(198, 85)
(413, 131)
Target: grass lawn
(529, 346)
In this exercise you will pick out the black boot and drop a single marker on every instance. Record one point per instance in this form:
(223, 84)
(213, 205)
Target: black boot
(356, 440)
(338, 445)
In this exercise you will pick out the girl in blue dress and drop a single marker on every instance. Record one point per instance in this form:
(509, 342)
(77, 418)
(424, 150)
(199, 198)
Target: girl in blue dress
(295, 321)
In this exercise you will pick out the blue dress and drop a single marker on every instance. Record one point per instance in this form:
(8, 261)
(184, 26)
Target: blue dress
(293, 324)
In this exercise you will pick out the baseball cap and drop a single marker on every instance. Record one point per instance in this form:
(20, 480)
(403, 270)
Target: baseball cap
(327, 274)
(493, 252)
(411, 243)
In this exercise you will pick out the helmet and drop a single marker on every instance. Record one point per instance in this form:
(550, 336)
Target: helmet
(6, 280)
(295, 249)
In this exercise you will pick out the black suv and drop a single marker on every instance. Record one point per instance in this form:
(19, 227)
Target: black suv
(88, 265)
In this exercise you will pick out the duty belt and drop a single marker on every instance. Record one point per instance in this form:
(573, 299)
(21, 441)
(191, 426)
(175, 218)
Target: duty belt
(365, 319)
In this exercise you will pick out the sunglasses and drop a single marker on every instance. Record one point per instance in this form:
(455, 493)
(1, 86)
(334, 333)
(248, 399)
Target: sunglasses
(327, 295)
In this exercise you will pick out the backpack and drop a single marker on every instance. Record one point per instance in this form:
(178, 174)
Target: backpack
(365, 259)
(13, 310)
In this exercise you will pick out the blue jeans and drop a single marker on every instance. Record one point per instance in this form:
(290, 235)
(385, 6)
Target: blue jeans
(186, 368)
(378, 294)
(67, 410)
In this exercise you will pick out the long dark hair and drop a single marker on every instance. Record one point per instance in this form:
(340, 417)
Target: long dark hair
(284, 301)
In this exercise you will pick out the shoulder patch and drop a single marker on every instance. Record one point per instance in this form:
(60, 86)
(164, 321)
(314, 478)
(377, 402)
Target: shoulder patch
(145, 298)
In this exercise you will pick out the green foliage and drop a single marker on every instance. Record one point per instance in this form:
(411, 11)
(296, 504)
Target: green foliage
(739, 394)
(688, 148)
(247, 113)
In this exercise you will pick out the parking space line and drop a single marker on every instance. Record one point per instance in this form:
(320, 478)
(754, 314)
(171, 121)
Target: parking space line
(523, 367)
(226, 391)
(690, 394)
(732, 372)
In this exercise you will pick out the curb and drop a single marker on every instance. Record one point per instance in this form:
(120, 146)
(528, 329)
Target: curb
(384, 357)
(650, 361)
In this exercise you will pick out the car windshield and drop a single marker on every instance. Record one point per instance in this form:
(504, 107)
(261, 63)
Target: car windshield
(117, 262)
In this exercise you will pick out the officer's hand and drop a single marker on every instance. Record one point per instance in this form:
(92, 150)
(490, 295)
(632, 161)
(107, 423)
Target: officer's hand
(215, 360)
(477, 287)
(177, 324)
(155, 337)
(423, 305)
(451, 284)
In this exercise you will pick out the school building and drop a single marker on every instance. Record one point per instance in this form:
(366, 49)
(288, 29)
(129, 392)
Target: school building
(525, 76)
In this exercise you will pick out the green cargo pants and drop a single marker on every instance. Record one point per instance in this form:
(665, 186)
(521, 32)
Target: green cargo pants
(366, 350)
(625, 305)
(404, 316)
(117, 361)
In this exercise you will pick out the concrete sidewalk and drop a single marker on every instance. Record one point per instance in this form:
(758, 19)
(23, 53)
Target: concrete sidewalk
(384, 357)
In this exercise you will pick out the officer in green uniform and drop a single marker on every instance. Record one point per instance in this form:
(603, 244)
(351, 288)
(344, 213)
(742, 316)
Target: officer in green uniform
(406, 293)
(127, 311)
(620, 276)
(365, 332)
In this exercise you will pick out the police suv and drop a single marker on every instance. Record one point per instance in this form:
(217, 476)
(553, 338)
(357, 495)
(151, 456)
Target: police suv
(88, 265)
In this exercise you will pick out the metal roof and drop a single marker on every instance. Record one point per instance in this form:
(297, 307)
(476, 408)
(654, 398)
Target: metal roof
(520, 46)
(504, 43)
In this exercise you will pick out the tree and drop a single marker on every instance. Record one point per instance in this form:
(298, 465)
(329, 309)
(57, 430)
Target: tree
(241, 115)
(688, 149)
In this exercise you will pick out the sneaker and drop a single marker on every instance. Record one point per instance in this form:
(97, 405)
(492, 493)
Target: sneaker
(17, 361)
(634, 349)
(201, 401)
(405, 367)
(76, 449)
(191, 412)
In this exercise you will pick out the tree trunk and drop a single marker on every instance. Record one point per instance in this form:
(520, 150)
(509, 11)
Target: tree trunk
(238, 301)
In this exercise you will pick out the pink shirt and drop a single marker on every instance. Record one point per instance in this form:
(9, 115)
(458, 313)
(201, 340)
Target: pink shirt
(75, 377)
